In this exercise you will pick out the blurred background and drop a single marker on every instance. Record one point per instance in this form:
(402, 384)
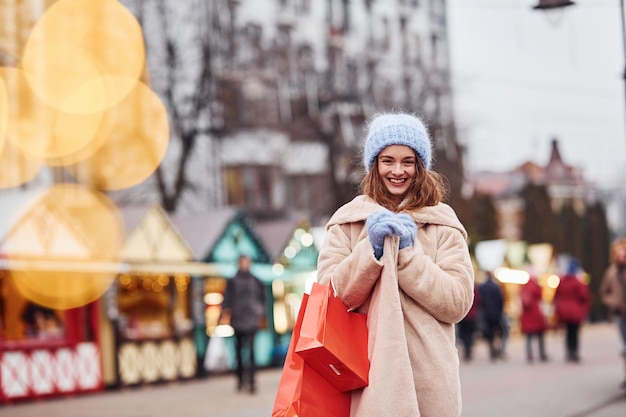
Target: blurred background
(146, 144)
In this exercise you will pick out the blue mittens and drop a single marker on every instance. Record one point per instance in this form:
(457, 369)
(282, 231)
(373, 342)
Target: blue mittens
(380, 224)
(407, 238)
(383, 223)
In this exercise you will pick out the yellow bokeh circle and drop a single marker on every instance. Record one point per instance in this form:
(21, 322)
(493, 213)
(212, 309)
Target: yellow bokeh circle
(58, 73)
(77, 44)
(39, 130)
(136, 142)
(17, 169)
(65, 247)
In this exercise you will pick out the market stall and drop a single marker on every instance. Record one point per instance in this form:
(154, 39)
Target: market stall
(147, 332)
(293, 253)
(217, 238)
(49, 289)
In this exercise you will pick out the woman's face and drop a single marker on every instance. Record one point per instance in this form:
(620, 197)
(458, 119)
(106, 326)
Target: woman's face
(396, 167)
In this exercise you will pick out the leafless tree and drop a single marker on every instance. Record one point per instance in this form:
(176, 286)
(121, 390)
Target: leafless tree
(180, 43)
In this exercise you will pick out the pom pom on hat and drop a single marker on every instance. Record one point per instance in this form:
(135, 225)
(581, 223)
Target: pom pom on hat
(396, 129)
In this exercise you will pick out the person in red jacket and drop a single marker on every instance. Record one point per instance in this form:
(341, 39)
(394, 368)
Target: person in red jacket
(572, 301)
(532, 320)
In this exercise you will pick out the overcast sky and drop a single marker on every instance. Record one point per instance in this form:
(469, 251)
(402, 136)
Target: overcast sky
(522, 77)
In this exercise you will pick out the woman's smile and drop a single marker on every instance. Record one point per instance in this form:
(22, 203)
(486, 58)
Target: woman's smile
(397, 181)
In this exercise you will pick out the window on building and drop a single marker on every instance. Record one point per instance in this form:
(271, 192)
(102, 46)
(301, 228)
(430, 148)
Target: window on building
(257, 188)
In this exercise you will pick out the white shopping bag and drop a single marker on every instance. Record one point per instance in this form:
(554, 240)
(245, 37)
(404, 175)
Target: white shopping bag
(216, 358)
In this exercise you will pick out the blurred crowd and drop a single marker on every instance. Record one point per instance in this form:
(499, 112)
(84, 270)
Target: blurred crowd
(565, 312)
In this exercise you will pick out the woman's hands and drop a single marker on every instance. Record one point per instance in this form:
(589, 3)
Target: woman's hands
(383, 223)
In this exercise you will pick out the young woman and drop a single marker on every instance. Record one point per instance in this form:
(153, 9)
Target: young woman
(399, 254)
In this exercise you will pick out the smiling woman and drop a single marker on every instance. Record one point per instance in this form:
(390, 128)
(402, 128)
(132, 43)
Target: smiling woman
(400, 254)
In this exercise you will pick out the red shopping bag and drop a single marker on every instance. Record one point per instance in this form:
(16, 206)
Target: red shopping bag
(333, 340)
(302, 392)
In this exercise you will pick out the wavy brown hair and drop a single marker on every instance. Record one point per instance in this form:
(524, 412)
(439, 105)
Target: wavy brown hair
(427, 189)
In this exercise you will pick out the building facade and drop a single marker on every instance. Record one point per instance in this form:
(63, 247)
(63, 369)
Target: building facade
(565, 184)
(287, 86)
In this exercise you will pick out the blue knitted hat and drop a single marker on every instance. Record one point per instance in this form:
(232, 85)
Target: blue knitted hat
(396, 129)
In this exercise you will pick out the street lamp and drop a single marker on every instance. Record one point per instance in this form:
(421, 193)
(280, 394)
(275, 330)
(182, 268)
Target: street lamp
(556, 4)
(552, 4)
(559, 4)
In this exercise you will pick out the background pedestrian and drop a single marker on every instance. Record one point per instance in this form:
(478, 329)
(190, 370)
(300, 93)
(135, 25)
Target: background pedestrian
(613, 292)
(533, 322)
(492, 314)
(244, 308)
(571, 302)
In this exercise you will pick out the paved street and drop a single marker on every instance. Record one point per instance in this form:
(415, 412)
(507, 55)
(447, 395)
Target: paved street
(510, 388)
(553, 389)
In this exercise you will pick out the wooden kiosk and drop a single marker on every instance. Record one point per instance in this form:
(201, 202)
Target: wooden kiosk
(50, 282)
(147, 333)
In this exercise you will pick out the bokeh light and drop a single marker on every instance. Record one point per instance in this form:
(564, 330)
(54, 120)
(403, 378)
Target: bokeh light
(64, 247)
(40, 131)
(76, 46)
(76, 102)
(135, 145)
(16, 169)
(553, 281)
(511, 276)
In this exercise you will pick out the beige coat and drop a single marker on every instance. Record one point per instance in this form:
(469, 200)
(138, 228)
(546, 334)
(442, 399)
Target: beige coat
(612, 291)
(414, 363)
